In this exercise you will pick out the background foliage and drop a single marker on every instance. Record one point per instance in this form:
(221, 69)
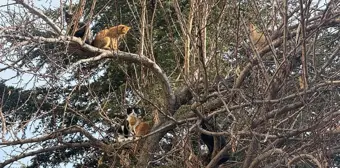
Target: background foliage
(186, 63)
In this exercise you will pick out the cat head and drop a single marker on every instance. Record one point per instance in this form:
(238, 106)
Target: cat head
(123, 29)
(132, 118)
(137, 110)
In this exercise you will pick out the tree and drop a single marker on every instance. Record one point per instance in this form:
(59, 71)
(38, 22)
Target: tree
(254, 81)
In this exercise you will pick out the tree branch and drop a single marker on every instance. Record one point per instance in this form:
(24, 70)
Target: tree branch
(276, 112)
(40, 14)
(104, 54)
(265, 155)
(302, 156)
(23, 155)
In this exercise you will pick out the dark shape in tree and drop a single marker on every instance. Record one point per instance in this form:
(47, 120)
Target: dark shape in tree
(210, 141)
(80, 30)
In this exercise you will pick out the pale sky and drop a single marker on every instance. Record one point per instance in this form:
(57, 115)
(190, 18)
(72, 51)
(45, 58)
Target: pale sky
(25, 80)
(21, 81)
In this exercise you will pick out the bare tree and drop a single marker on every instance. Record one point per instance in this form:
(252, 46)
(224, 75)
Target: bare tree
(259, 81)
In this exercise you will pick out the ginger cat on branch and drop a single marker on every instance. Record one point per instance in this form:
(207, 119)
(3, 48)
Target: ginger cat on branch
(138, 127)
(108, 38)
(257, 36)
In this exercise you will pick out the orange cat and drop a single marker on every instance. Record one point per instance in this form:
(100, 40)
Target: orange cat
(257, 37)
(108, 38)
(138, 127)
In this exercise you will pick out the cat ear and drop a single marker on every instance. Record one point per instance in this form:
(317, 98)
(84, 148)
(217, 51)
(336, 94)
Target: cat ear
(122, 28)
(128, 117)
(134, 113)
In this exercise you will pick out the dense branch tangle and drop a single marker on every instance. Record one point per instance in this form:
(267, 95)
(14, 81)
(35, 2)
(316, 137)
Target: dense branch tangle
(249, 92)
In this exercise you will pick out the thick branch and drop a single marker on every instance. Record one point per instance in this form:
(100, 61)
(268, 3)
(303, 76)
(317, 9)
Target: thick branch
(74, 129)
(138, 59)
(265, 155)
(276, 112)
(219, 155)
(105, 54)
(40, 139)
(301, 157)
(23, 155)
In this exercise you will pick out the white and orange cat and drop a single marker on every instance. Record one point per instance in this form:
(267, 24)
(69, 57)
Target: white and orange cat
(138, 128)
(257, 36)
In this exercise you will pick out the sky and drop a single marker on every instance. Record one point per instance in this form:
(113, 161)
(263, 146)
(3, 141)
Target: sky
(24, 81)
